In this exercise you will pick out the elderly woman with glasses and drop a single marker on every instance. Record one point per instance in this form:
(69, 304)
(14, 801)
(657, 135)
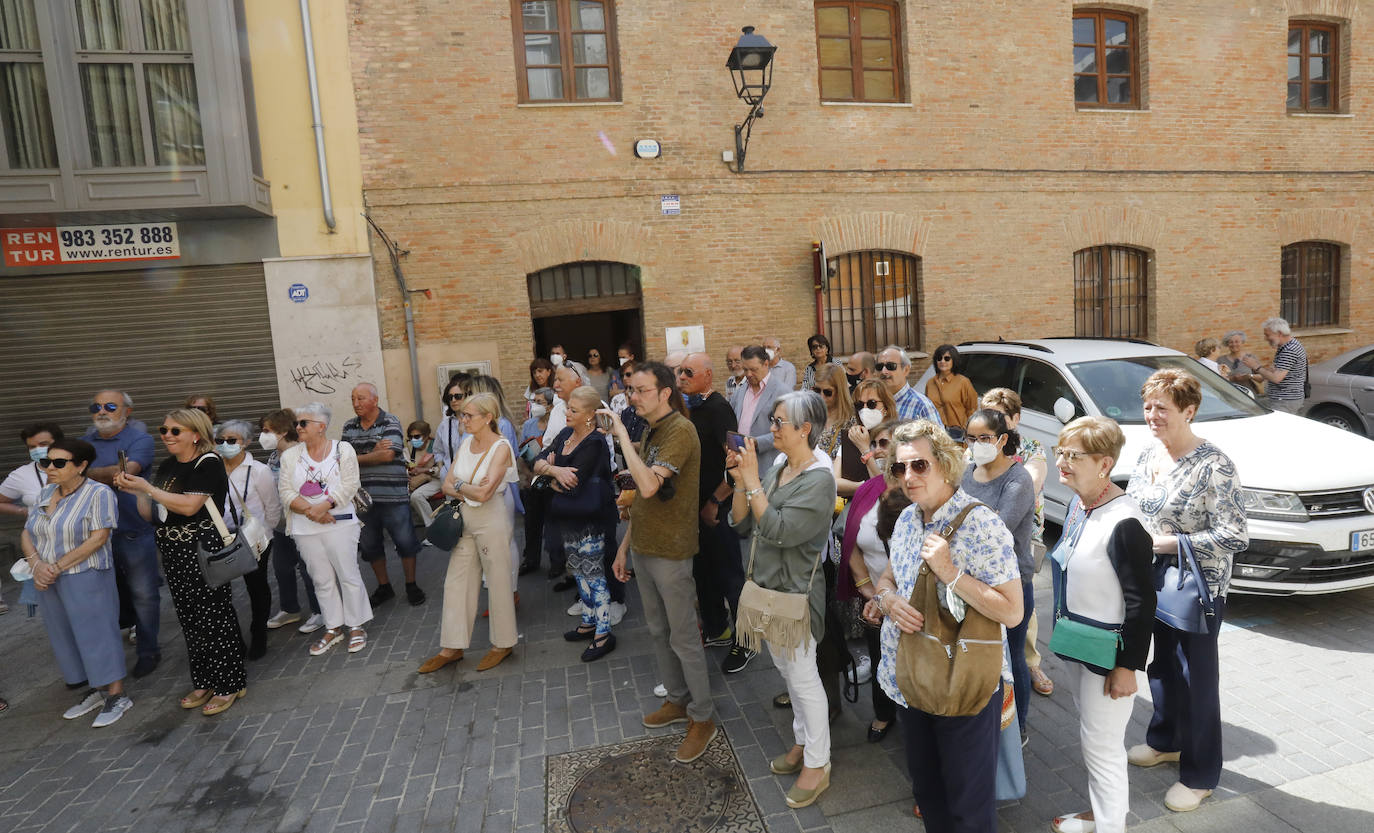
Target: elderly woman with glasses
(318, 480)
(952, 760)
(176, 500)
(786, 513)
(1187, 489)
(278, 435)
(66, 542)
(950, 390)
(252, 491)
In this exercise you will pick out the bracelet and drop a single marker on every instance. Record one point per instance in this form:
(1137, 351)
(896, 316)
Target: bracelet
(867, 580)
(956, 581)
(879, 599)
(749, 495)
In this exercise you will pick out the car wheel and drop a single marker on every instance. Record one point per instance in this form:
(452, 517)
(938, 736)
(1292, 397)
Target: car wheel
(1337, 417)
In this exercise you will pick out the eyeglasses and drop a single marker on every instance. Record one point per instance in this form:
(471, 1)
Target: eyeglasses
(201, 408)
(685, 371)
(883, 443)
(897, 468)
(944, 358)
(871, 404)
(110, 407)
(826, 392)
(467, 415)
(453, 396)
(888, 365)
(417, 436)
(593, 355)
(56, 462)
(175, 431)
(1069, 454)
(644, 391)
(980, 438)
(228, 439)
(301, 423)
(778, 422)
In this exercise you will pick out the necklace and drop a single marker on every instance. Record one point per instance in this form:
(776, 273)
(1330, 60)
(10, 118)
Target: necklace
(1097, 501)
(74, 488)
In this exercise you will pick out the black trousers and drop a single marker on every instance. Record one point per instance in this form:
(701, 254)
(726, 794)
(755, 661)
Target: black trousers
(214, 644)
(884, 708)
(1184, 684)
(953, 766)
(259, 598)
(536, 507)
(719, 575)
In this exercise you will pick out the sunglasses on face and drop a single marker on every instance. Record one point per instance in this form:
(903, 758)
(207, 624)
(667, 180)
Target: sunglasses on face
(301, 423)
(110, 407)
(685, 371)
(871, 404)
(888, 365)
(898, 468)
(778, 422)
(56, 462)
(593, 355)
(417, 436)
(883, 443)
(174, 430)
(228, 439)
(944, 358)
(826, 392)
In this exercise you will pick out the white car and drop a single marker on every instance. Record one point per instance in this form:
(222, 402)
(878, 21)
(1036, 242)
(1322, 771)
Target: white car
(1308, 488)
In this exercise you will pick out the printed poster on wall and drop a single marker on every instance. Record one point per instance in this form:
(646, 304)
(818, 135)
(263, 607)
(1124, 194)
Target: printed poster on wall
(89, 244)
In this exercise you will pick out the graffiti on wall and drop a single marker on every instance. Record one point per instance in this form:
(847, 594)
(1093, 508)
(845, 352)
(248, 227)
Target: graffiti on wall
(327, 376)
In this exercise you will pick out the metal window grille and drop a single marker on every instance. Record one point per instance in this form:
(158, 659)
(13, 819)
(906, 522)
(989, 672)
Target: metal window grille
(871, 301)
(1110, 296)
(1309, 293)
(586, 286)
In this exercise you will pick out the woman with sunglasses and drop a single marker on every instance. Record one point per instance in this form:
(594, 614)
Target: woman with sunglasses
(449, 434)
(951, 391)
(873, 405)
(819, 348)
(830, 383)
(252, 491)
(976, 569)
(175, 500)
(1104, 578)
(601, 377)
(66, 542)
(278, 435)
(485, 464)
(786, 512)
(203, 403)
(422, 469)
(319, 478)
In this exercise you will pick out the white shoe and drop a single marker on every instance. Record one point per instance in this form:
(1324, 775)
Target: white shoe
(576, 608)
(90, 701)
(660, 691)
(863, 670)
(1074, 823)
(282, 619)
(1142, 754)
(1184, 799)
(133, 635)
(312, 624)
(618, 611)
(114, 708)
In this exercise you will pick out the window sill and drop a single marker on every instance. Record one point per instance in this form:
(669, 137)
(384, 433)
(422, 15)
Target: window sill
(866, 104)
(1297, 115)
(1111, 110)
(1313, 332)
(539, 104)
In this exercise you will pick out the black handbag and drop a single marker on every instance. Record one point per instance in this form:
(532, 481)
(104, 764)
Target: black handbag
(447, 526)
(1183, 599)
(234, 559)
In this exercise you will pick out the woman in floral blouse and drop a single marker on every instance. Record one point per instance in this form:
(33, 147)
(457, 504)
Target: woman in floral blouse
(978, 569)
(1186, 487)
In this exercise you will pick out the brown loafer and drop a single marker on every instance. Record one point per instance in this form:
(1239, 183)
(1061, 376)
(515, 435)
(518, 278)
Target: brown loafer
(493, 658)
(438, 661)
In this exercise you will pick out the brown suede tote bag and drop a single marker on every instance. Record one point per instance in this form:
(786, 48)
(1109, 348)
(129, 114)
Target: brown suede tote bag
(948, 668)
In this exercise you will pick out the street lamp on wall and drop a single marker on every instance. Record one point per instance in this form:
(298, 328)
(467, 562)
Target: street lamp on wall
(751, 68)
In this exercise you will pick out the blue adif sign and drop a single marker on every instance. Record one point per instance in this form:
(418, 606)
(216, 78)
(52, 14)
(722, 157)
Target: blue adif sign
(298, 292)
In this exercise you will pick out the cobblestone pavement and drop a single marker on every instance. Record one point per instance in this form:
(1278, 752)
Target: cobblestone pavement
(361, 742)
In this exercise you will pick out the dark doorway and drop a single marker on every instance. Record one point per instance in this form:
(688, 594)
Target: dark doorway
(585, 305)
(605, 331)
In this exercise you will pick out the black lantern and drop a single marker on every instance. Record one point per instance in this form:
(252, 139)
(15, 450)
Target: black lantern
(751, 68)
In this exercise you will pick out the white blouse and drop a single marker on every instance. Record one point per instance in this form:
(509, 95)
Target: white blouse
(337, 473)
(870, 545)
(472, 467)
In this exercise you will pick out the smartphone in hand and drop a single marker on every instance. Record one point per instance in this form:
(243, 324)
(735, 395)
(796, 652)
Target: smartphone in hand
(123, 462)
(734, 441)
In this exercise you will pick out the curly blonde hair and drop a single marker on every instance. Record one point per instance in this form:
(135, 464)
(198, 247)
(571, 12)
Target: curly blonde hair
(948, 455)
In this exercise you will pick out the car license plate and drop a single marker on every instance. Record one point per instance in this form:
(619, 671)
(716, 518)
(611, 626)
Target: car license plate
(1362, 540)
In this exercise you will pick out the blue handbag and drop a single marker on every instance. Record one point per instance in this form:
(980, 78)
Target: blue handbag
(1183, 600)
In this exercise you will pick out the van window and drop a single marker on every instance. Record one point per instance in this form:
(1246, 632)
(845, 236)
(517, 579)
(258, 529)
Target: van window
(1042, 385)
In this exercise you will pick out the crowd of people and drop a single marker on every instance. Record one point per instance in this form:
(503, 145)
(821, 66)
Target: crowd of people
(849, 509)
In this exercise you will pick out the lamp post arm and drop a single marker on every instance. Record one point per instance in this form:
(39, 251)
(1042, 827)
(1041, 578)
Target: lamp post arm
(742, 133)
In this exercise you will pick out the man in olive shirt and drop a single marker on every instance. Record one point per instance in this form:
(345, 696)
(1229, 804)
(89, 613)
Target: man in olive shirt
(663, 537)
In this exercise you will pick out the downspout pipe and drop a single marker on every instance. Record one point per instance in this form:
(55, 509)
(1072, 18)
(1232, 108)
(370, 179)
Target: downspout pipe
(393, 251)
(318, 123)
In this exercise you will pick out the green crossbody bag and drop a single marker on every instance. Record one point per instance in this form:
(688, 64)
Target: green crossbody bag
(1071, 639)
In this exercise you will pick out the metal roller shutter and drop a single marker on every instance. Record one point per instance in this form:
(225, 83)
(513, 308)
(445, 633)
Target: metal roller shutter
(159, 334)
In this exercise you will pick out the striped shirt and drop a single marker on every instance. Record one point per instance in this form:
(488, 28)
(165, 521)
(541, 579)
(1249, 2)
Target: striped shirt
(1292, 357)
(912, 405)
(385, 482)
(55, 533)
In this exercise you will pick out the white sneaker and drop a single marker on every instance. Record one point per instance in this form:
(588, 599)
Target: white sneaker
(133, 635)
(863, 670)
(618, 611)
(660, 691)
(282, 619)
(312, 624)
(90, 701)
(576, 608)
(115, 707)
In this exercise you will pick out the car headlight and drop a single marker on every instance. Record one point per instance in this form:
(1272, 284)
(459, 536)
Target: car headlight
(1272, 506)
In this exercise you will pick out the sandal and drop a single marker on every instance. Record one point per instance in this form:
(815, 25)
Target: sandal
(782, 701)
(1073, 823)
(327, 640)
(1040, 682)
(196, 699)
(357, 640)
(221, 702)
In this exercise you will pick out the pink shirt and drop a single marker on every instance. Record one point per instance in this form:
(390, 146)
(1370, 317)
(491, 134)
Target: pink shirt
(751, 403)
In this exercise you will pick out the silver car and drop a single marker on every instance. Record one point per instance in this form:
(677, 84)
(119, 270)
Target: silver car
(1343, 392)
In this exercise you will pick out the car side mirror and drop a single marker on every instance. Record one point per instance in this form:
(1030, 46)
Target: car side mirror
(1063, 409)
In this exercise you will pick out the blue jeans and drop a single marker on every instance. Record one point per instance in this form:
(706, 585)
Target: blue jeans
(1020, 671)
(395, 519)
(286, 562)
(135, 557)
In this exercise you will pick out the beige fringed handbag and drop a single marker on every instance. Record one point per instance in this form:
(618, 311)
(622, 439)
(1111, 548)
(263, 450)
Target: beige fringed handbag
(783, 619)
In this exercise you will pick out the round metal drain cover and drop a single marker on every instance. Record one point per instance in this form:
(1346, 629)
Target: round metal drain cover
(646, 791)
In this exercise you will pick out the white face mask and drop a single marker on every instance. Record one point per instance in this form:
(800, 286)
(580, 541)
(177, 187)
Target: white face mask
(624, 359)
(870, 418)
(228, 450)
(557, 359)
(268, 440)
(537, 410)
(772, 354)
(984, 453)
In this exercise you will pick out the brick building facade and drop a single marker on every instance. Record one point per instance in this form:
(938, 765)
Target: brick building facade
(986, 174)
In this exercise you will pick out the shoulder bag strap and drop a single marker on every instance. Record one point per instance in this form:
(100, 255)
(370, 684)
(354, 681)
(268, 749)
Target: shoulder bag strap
(1185, 553)
(754, 542)
(948, 530)
(218, 521)
(452, 452)
(483, 458)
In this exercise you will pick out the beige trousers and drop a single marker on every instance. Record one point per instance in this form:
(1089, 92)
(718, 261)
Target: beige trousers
(1032, 631)
(482, 552)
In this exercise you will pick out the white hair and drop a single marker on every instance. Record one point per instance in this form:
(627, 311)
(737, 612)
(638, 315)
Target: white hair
(241, 427)
(901, 354)
(1277, 325)
(371, 388)
(318, 409)
(128, 400)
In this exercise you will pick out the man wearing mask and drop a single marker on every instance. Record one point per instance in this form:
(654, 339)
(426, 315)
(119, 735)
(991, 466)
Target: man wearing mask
(893, 367)
(787, 372)
(135, 551)
(860, 366)
(559, 357)
(753, 402)
(718, 571)
(735, 365)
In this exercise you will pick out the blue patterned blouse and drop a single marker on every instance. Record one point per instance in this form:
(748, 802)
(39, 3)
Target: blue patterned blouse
(92, 506)
(982, 548)
(1197, 496)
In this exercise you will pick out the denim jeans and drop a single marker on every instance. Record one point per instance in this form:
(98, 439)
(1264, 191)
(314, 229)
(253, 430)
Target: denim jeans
(286, 562)
(395, 519)
(1020, 671)
(135, 557)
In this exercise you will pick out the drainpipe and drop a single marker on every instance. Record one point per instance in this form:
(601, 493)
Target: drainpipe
(395, 253)
(818, 267)
(318, 126)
